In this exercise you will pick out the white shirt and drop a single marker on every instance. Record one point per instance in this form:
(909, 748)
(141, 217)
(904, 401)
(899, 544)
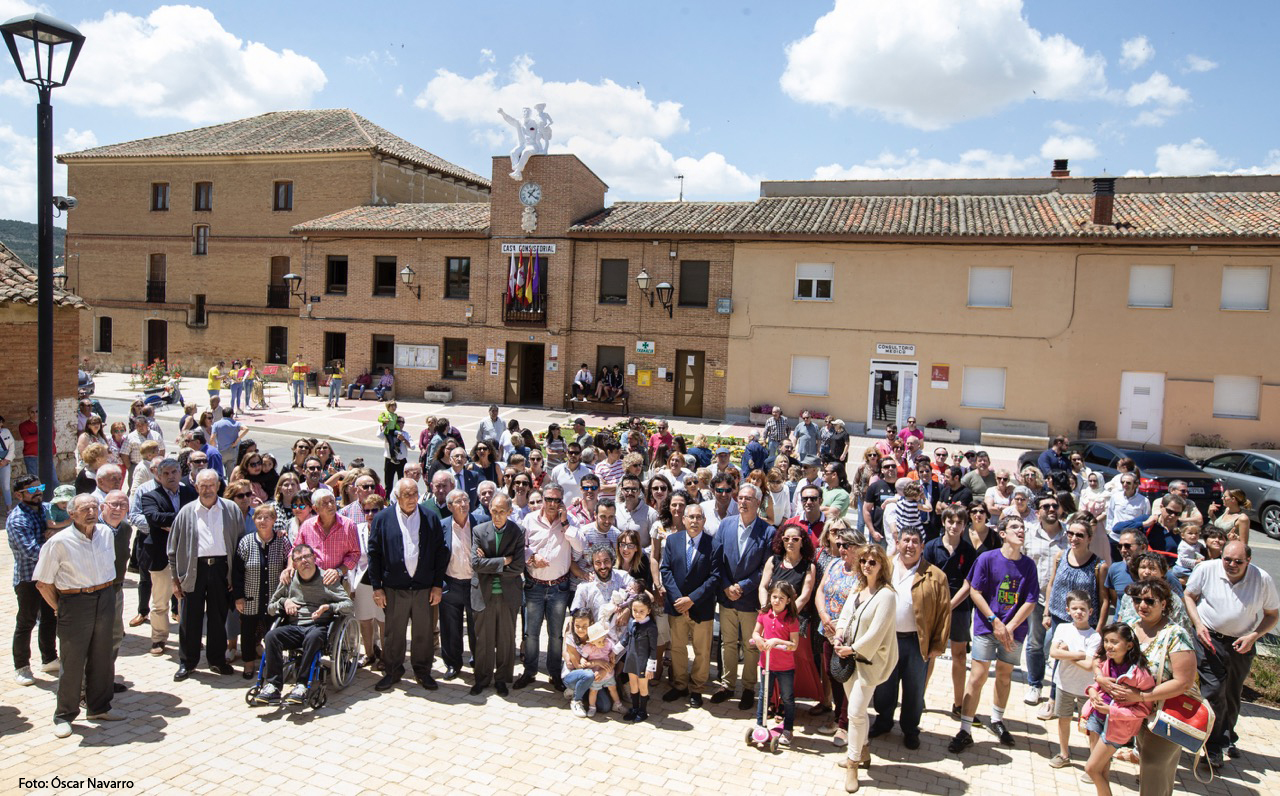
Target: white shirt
(1066, 675)
(640, 520)
(1224, 607)
(209, 539)
(1121, 508)
(460, 552)
(70, 560)
(409, 536)
(905, 617)
(714, 518)
(490, 430)
(552, 544)
(593, 595)
(569, 480)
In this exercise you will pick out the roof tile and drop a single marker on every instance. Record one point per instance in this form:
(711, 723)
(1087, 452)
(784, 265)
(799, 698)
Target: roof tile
(18, 283)
(426, 217)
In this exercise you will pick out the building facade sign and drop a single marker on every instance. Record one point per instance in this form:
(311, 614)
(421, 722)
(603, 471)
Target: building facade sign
(896, 349)
(528, 248)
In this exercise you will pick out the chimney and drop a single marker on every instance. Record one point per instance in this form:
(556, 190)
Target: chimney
(1060, 168)
(1104, 195)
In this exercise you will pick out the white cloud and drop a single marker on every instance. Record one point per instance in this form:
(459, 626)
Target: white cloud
(486, 56)
(180, 62)
(618, 129)
(18, 169)
(1196, 63)
(74, 140)
(1074, 147)
(17, 8)
(1136, 51)
(1193, 157)
(931, 63)
(1063, 128)
(977, 163)
(1158, 91)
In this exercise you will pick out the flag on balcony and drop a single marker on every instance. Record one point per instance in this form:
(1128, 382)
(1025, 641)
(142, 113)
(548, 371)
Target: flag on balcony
(511, 279)
(537, 277)
(520, 278)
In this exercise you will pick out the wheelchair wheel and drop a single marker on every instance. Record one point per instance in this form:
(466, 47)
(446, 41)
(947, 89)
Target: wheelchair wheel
(318, 698)
(344, 654)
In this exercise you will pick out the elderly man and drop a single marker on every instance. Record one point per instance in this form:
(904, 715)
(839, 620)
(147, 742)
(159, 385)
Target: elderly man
(742, 545)
(308, 605)
(806, 437)
(74, 575)
(334, 539)
(721, 464)
(775, 430)
(690, 573)
(407, 560)
(923, 622)
(484, 493)
(497, 565)
(108, 477)
(1232, 604)
(160, 507)
(201, 542)
(1126, 508)
(455, 602)
(442, 483)
(549, 551)
(114, 510)
(491, 428)
(27, 531)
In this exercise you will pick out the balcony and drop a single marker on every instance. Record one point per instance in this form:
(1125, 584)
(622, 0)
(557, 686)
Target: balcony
(519, 313)
(155, 291)
(278, 297)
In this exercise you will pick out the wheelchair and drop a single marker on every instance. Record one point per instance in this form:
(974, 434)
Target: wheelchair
(335, 666)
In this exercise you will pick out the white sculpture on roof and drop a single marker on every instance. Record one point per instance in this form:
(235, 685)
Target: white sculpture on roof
(533, 136)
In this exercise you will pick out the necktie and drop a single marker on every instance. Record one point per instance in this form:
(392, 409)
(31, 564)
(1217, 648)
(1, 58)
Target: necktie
(743, 534)
(689, 549)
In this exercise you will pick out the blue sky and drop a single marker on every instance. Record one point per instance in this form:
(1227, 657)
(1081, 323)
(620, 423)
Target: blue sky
(726, 94)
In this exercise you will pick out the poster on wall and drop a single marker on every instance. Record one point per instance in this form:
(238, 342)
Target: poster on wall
(940, 377)
(493, 368)
(644, 378)
(418, 357)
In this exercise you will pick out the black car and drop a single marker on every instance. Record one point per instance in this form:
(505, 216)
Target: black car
(1157, 466)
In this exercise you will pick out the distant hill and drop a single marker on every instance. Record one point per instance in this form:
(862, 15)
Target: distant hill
(20, 237)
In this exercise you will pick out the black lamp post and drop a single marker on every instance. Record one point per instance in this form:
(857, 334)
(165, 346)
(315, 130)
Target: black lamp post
(36, 43)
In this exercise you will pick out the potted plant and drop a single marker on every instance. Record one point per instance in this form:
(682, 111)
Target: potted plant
(438, 393)
(760, 413)
(937, 431)
(1202, 446)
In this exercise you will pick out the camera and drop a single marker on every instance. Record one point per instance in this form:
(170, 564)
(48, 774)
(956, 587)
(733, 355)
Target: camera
(64, 202)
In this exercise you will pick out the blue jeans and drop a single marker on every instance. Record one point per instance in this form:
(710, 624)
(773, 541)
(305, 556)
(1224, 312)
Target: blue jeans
(298, 388)
(549, 603)
(909, 675)
(580, 681)
(33, 467)
(351, 389)
(237, 390)
(1036, 647)
(335, 391)
(786, 684)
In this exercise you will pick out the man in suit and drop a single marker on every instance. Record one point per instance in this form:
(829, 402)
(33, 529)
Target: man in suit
(484, 493)
(201, 543)
(496, 589)
(407, 559)
(742, 544)
(689, 575)
(455, 604)
(160, 506)
(464, 478)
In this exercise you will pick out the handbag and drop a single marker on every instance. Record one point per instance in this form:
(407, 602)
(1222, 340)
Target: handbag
(1185, 720)
(841, 669)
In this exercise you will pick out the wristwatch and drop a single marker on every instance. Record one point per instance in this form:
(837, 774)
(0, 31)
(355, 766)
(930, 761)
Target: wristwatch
(991, 620)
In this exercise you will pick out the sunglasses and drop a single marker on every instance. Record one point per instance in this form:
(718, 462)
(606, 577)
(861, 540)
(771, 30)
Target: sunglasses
(1048, 505)
(1144, 600)
(239, 497)
(590, 489)
(868, 561)
(790, 539)
(197, 461)
(723, 491)
(298, 506)
(34, 490)
(1077, 535)
(552, 500)
(1234, 561)
(809, 498)
(843, 545)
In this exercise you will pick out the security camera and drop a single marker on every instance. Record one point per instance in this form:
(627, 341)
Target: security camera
(64, 202)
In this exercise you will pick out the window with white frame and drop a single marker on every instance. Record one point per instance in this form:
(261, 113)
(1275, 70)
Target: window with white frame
(983, 388)
(810, 375)
(813, 281)
(1150, 286)
(1246, 287)
(1236, 396)
(990, 286)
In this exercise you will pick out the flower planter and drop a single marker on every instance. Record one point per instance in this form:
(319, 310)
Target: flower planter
(942, 434)
(437, 396)
(759, 418)
(1195, 452)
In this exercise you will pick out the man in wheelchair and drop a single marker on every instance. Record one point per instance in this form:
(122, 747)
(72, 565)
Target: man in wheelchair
(306, 607)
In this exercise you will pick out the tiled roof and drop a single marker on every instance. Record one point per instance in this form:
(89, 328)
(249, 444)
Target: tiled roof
(283, 132)
(433, 217)
(1047, 216)
(18, 283)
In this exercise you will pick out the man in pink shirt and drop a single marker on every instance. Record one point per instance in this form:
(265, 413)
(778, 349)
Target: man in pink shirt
(662, 437)
(910, 431)
(333, 537)
(548, 553)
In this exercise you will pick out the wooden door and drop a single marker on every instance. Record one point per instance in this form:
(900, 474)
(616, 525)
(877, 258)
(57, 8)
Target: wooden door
(689, 373)
(511, 393)
(157, 340)
(532, 374)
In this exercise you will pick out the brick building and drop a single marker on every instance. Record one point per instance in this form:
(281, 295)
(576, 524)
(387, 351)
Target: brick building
(181, 242)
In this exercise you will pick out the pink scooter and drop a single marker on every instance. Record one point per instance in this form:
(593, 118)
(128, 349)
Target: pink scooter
(761, 736)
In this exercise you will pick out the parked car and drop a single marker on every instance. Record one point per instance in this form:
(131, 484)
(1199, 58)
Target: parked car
(1157, 466)
(1257, 474)
(86, 384)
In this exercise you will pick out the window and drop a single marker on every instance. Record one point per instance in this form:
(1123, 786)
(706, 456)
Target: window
(384, 276)
(983, 388)
(810, 375)
(1151, 286)
(813, 281)
(1236, 396)
(335, 347)
(457, 278)
(104, 335)
(990, 287)
(383, 352)
(695, 275)
(455, 358)
(1246, 287)
(199, 317)
(1258, 467)
(335, 278)
(204, 196)
(613, 281)
(282, 195)
(159, 196)
(201, 245)
(277, 345)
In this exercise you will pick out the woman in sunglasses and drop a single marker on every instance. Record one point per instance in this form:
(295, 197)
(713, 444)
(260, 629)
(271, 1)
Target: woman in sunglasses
(838, 581)
(287, 488)
(1001, 497)
(979, 532)
(301, 510)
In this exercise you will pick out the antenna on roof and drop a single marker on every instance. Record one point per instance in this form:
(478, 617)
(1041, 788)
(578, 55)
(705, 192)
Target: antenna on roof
(680, 177)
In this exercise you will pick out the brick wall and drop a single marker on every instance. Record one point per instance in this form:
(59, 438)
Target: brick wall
(18, 341)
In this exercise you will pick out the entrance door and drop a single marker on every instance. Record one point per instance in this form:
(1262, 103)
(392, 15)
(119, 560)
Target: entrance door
(689, 382)
(1141, 406)
(524, 374)
(157, 340)
(891, 394)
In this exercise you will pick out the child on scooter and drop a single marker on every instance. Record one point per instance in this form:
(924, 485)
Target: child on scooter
(776, 635)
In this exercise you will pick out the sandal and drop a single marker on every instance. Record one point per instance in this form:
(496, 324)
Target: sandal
(1127, 756)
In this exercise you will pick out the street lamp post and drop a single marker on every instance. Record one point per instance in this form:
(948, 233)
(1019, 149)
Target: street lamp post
(34, 41)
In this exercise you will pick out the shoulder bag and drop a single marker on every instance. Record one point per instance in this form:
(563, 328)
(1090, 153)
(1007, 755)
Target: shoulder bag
(1185, 720)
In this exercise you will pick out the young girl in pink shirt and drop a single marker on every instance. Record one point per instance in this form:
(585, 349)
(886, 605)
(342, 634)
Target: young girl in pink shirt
(778, 632)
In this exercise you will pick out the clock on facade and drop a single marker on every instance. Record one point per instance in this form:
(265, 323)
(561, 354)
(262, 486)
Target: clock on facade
(530, 193)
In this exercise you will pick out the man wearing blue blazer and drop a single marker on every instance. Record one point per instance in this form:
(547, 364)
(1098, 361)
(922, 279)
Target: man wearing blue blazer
(407, 560)
(689, 575)
(742, 545)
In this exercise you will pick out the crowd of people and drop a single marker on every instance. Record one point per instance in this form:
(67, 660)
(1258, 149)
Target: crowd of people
(648, 557)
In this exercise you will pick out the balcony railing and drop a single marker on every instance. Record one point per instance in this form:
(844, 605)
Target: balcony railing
(516, 312)
(278, 296)
(155, 291)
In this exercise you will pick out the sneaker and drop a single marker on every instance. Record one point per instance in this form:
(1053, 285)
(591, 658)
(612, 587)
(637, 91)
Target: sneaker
(617, 706)
(1032, 696)
(961, 742)
(267, 695)
(1059, 761)
(298, 695)
(1046, 711)
(568, 693)
(828, 729)
(784, 739)
(61, 728)
(52, 667)
(23, 676)
(1000, 731)
(591, 711)
(577, 709)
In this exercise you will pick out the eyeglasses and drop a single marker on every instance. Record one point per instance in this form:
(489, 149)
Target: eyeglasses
(1144, 600)
(1020, 497)
(1235, 562)
(628, 545)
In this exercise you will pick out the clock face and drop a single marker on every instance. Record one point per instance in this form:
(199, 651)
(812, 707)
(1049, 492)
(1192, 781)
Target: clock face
(530, 193)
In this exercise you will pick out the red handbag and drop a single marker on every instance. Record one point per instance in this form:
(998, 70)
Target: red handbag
(1186, 720)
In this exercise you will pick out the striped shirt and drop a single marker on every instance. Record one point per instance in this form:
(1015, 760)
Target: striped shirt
(609, 475)
(256, 568)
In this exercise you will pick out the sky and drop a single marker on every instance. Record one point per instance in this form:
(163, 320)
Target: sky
(725, 94)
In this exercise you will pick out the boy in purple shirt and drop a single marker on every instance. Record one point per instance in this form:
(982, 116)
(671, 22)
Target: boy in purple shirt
(1004, 588)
